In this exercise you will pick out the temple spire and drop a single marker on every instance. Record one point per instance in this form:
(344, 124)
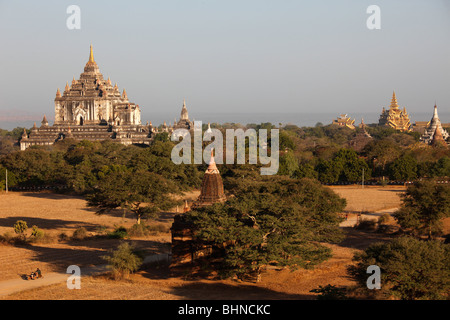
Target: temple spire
(394, 103)
(184, 112)
(91, 56)
(212, 168)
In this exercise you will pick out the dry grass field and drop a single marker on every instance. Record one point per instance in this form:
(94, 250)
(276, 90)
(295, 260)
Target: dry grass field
(370, 198)
(57, 214)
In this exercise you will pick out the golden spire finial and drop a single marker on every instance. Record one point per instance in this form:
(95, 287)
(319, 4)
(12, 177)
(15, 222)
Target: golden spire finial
(91, 55)
(394, 103)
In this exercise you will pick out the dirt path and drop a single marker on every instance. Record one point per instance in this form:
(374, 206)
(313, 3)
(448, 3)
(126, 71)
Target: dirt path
(12, 286)
(353, 218)
(9, 287)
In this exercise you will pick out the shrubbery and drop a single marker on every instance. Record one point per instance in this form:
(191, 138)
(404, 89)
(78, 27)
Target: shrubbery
(123, 261)
(410, 269)
(80, 233)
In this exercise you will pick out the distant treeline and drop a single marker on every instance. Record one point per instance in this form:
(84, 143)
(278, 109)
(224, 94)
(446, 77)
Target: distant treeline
(320, 152)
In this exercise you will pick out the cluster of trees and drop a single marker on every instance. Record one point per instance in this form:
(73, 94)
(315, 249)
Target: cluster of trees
(9, 139)
(269, 221)
(414, 266)
(324, 153)
(81, 166)
(140, 180)
(411, 269)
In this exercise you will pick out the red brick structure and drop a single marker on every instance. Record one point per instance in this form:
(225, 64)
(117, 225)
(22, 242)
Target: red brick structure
(184, 249)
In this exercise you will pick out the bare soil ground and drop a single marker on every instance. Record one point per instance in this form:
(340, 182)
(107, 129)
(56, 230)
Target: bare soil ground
(57, 214)
(158, 282)
(62, 213)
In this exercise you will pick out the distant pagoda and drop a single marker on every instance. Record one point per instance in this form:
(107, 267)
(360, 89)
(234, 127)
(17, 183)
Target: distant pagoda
(184, 122)
(344, 121)
(91, 109)
(394, 117)
(435, 123)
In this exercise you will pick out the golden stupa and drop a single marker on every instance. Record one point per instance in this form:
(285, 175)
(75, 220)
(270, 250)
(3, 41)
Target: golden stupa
(394, 117)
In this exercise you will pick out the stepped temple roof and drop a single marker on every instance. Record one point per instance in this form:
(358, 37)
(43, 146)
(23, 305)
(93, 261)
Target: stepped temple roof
(92, 109)
(434, 124)
(344, 121)
(394, 117)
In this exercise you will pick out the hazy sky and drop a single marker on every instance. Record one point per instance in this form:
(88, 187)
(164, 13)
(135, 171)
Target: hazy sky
(230, 56)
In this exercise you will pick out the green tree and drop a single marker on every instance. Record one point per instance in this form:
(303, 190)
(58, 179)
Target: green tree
(288, 164)
(382, 152)
(345, 166)
(20, 227)
(277, 223)
(442, 167)
(143, 193)
(123, 260)
(403, 168)
(329, 171)
(286, 141)
(352, 166)
(163, 136)
(424, 205)
(306, 171)
(410, 269)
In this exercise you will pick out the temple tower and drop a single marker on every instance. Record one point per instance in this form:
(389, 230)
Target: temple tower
(212, 186)
(438, 139)
(435, 123)
(394, 117)
(184, 122)
(93, 100)
(91, 109)
(185, 249)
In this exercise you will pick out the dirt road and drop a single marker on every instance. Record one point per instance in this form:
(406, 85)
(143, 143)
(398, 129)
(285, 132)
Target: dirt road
(8, 287)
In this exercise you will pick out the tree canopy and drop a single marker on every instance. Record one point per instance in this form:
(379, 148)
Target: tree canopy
(278, 222)
(424, 205)
(411, 269)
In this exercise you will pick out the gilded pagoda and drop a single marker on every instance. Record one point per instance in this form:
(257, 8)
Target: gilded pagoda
(344, 121)
(395, 117)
